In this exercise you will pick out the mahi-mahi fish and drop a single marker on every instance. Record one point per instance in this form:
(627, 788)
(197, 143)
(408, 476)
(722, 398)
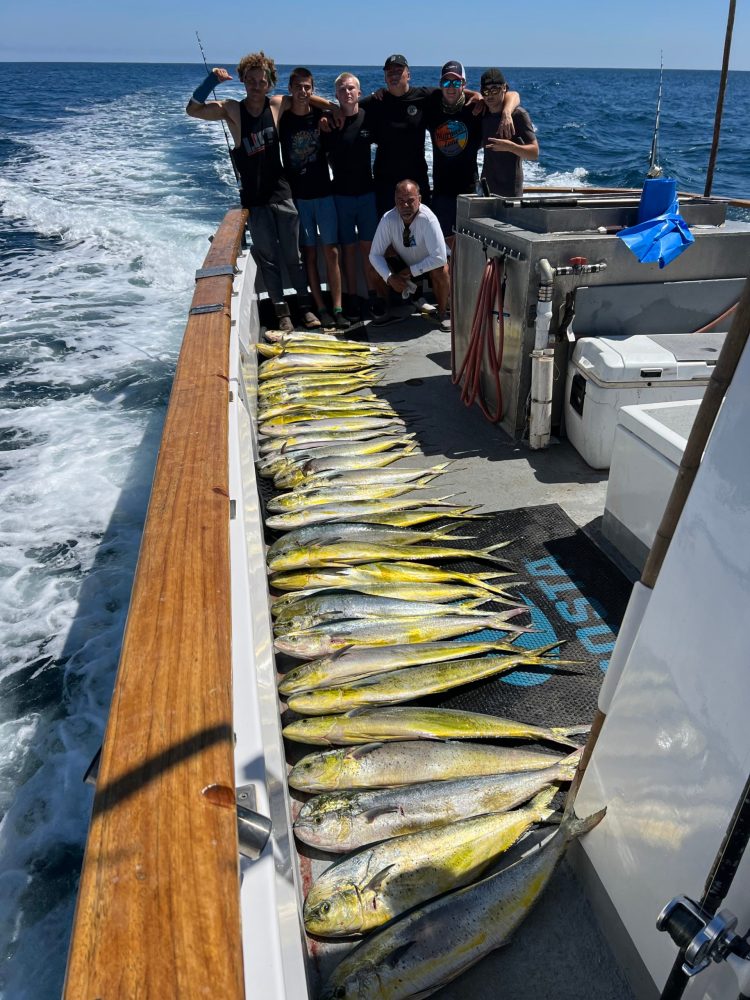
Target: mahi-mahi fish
(309, 643)
(391, 573)
(345, 821)
(410, 683)
(383, 765)
(382, 881)
(357, 662)
(350, 552)
(418, 954)
(368, 725)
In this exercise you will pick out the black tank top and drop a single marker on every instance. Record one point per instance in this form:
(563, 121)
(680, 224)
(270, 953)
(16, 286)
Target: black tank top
(258, 160)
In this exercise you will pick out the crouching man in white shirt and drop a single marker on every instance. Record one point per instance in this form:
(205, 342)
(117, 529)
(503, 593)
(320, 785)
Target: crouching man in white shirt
(414, 233)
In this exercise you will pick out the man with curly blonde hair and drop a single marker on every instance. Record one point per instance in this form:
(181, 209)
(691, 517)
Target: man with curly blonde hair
(274, 224)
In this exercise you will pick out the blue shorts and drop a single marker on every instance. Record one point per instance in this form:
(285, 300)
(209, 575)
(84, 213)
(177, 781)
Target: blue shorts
(317, 215)
(358, 217)
(444, 207)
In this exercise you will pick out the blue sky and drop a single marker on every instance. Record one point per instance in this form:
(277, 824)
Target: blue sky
(541, 33)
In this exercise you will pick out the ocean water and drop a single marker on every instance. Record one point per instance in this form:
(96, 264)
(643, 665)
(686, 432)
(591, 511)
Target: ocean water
(108, 192)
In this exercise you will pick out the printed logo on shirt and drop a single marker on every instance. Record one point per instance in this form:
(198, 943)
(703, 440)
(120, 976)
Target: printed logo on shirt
(412, 110)
(451, 137)
(304, 149)
(257, 141)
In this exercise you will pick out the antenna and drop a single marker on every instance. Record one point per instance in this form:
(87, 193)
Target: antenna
(223, 126)
(654, 170)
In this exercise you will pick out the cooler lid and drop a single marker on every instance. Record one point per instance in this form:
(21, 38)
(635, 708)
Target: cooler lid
(664, 426)
(646, 359)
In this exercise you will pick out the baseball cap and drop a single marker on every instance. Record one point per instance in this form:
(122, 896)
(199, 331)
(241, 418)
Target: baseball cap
(492, 78)
(454, 67)
(396, 60)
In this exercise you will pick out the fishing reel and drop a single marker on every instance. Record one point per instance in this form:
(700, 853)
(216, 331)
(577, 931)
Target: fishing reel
(704, 937)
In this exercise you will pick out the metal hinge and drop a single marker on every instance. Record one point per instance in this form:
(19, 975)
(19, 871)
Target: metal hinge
(200, 310)
(216, 272)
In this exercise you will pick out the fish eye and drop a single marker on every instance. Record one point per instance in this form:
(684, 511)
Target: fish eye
(325, 907)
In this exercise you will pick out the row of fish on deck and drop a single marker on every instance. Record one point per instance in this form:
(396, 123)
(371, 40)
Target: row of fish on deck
(420, 811)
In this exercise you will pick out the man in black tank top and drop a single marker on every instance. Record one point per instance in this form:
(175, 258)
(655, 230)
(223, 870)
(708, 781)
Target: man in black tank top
(274, 224)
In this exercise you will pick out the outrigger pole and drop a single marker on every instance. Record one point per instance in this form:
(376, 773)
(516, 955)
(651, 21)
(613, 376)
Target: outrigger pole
(720, 100)
(223, 126)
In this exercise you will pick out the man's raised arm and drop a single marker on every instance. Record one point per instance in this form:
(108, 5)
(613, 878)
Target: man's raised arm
(209, 111)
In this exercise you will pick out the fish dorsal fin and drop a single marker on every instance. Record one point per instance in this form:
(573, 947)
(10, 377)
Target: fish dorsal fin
(362, 751)
(340, 652)
(377, 879)
(370, 815)
(398, 953)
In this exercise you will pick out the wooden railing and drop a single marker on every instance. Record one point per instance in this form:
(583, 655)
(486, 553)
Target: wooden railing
(158, 906)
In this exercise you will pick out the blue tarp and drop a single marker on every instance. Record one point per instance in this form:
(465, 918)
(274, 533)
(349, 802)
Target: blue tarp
(663, 236)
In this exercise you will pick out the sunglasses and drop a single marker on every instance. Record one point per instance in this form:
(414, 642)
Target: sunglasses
(447, 84)
(492, 91)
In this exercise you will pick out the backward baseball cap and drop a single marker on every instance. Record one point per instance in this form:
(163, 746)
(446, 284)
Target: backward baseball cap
(492, 78)
(396, 60)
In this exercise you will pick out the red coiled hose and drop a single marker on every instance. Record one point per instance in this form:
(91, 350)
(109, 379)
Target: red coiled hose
(482, 341)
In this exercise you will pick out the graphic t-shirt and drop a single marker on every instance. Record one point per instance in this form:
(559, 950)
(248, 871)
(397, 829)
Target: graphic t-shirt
(348, 150)
(258, 160)
(456, 136)
(304, 161)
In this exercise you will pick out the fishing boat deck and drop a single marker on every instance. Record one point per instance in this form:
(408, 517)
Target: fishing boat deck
(559, 950)
(492, 470)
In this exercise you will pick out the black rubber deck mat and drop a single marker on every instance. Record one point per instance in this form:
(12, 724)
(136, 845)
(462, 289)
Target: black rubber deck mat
(573, 592)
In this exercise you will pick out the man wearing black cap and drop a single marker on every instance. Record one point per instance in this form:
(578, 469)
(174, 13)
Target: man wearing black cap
(502, 156)
(456, 134)
(397, 122)
(396, 117)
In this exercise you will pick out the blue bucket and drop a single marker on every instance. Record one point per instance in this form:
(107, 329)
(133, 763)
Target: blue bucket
(657, 197)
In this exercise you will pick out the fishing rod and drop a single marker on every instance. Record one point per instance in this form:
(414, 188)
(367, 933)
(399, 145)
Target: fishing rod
(223, 125)
(654, 170)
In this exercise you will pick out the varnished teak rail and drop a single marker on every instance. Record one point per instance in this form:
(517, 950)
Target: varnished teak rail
(158, 906)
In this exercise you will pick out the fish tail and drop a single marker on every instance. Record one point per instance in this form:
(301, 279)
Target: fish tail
(448, 529)
(476, 602)
(576, 731)
(499, 545)
(561, 734)
(567, 767)
(489, 555)
(542, 801)
(573, 826)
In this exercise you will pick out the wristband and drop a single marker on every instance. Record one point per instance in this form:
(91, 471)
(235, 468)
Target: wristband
(201, 93)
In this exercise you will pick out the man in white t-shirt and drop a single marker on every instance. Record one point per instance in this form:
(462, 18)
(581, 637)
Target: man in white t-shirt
(417, 245)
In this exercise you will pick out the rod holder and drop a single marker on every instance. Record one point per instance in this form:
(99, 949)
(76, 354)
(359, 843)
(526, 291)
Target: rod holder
(253, 829)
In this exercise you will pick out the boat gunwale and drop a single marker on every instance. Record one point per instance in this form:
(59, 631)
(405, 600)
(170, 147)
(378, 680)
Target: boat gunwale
(158, 908)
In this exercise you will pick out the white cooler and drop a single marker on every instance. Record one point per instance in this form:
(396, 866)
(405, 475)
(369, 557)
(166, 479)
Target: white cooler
(607, 373)
(649, 445)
